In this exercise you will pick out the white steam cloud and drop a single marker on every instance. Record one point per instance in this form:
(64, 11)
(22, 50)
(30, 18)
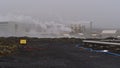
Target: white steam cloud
(37, 28)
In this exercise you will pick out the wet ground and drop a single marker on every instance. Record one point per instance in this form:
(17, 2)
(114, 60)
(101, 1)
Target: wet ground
(59, 56)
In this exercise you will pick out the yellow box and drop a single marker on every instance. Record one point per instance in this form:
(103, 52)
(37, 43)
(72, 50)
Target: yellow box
(23, 41)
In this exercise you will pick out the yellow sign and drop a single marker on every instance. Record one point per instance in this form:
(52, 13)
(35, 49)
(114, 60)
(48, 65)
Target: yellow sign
(23, 41)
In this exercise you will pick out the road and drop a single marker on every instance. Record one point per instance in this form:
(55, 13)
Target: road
(60, 56)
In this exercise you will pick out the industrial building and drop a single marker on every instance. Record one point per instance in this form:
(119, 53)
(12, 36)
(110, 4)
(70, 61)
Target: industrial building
(80, 29)
(77, 28)
(109, 33)
(14, 29)
(7, 29)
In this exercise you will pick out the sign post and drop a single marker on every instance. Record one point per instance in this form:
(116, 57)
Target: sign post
(23, 41)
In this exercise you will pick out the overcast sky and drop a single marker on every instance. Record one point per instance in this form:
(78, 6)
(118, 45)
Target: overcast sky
(104, 13)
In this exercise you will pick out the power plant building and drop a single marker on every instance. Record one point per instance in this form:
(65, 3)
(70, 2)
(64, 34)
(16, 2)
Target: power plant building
(13, 29)
(7, 29)
(109, 33)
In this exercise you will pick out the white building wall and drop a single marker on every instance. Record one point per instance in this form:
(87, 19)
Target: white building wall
(13, 29)
(109, 33)
(7, 29)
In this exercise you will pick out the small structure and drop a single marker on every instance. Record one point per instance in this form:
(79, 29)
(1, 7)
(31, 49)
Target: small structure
(109, 33)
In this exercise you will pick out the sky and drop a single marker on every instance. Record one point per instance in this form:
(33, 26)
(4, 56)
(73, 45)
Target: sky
(103, 13)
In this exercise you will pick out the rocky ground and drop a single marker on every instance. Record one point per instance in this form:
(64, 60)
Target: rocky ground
(58, 54)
